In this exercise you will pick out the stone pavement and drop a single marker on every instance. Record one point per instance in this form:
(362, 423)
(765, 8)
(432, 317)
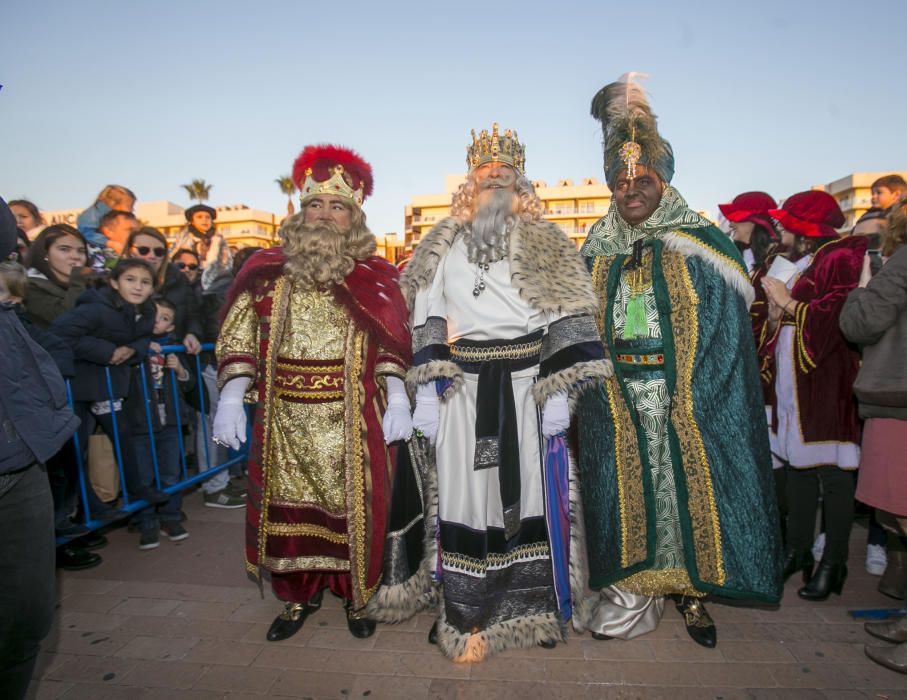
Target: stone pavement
(183, 621)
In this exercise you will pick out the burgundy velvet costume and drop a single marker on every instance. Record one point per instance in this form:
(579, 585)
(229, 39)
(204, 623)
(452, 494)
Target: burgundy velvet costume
(825, 366)
(371, 297)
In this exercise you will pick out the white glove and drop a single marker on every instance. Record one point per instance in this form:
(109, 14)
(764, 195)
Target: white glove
(230, 418)
(397, 423)
(428, 411)
(555, 414)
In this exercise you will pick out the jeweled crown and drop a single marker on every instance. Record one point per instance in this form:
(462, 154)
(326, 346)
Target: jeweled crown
(334, 185)
(501, 148)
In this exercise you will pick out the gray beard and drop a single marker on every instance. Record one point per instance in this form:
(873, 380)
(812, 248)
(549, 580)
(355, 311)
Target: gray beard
(488, 233)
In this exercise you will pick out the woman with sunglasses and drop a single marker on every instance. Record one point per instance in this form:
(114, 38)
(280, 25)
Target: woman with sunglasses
(187, 262)
(149, 244)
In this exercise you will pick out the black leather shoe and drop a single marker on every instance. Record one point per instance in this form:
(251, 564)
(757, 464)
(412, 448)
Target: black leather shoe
(799, 561)
(829, 578)
(72, 558)
(92, 540)
(601, 637)
(71, 529)
(699, 623)
(360, 627)
(433, 634)
(288, 623)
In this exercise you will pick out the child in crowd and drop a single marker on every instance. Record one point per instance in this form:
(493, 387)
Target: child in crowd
(109, 331)
(887, 190)
(160, 402)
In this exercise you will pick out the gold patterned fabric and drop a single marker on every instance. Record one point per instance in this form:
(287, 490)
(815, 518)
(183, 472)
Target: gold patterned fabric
(307, 439)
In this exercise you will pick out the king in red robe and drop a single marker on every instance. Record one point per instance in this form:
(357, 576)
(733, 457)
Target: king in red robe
(315, 336)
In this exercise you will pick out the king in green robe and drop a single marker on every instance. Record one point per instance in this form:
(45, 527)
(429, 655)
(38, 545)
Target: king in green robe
(675, 468)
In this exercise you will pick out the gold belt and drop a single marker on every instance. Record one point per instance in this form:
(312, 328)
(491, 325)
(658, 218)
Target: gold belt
(653, 359)
(517, 351)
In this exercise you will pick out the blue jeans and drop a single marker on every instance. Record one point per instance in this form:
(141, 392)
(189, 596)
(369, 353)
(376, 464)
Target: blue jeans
(166, 445)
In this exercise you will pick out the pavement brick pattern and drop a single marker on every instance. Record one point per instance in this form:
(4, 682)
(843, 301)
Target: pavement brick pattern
(182, 622)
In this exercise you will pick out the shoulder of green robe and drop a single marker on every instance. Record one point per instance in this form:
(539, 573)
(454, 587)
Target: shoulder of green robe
(715, 248)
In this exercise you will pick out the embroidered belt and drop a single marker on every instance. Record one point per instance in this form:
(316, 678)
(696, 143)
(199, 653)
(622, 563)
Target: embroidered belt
(483, 352)
(651, 359)
(309, 381)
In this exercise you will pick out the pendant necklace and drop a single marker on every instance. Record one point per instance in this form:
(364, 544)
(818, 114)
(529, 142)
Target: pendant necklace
(479, 284)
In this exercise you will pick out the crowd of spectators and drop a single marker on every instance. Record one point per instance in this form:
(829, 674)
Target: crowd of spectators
(105, 298)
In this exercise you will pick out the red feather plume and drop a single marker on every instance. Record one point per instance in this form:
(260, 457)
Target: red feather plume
(322, 157)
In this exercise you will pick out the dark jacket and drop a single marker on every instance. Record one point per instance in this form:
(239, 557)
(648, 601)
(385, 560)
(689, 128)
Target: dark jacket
(98, 325)
(35, 418)
(45, 299)
(58, 350)
(875, 317)
(177, 290)
(158, 394)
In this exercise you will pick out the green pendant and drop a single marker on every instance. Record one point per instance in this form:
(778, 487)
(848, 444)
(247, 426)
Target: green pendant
(635, 325)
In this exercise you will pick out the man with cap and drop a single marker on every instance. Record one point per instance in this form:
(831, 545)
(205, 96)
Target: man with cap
(201, 236)
(315, 335)
(674, 462)
(815, 429)
(503, 341)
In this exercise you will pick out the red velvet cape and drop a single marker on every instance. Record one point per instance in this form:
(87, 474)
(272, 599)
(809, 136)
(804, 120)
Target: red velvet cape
(372, 297)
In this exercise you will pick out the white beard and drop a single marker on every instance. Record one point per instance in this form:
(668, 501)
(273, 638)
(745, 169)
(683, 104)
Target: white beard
(488, 232)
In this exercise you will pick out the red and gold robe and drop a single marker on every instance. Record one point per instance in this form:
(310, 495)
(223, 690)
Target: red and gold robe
(319, 471)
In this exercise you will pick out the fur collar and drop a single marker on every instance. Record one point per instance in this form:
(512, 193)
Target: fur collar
(545, 266)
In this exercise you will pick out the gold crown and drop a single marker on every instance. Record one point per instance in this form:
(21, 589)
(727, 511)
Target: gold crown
(336, 185)
(496, 148)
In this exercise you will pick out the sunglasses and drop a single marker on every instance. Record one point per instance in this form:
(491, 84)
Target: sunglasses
(180, 265)
(143, 250)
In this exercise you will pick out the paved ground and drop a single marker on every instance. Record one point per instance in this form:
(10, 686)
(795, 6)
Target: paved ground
(182, 622)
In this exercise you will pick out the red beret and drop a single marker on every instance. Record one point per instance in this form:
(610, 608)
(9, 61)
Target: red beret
(813, 213)
(751, 206)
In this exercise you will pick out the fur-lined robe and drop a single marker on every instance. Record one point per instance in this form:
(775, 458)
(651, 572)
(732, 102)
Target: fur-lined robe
(729, 538)
(550, 279)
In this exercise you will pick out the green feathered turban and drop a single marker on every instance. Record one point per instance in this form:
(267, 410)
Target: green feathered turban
(630, 130)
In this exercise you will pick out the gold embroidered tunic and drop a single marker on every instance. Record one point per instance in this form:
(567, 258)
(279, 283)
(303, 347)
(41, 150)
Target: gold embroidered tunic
(307, 440)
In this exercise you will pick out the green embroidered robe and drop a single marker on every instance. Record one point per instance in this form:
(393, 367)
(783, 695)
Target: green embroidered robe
(674, 465)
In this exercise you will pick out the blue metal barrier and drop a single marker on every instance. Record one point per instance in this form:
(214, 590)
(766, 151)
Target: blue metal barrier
(131, 506)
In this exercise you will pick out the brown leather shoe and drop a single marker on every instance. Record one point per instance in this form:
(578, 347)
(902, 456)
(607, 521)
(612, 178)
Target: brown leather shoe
(894, 658)
(888, 630)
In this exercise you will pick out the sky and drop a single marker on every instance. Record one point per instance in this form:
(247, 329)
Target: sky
(775, 96)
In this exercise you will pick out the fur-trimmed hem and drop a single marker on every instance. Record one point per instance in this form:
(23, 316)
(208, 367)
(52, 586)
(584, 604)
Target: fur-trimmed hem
(397, 603)
(574, 380)
(583, 603)
(520, 633)
(435, 369)
(401, 601)
(732, 274)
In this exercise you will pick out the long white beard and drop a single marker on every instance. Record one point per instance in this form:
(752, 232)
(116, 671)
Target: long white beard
(488, 233)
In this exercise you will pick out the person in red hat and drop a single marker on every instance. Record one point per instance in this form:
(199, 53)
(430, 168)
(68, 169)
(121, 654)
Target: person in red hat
(315, 335)
(755, 235)
(815, 430)
(752, 228)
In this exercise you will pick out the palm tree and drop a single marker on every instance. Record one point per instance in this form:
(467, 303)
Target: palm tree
(288, 187)
(198, 189)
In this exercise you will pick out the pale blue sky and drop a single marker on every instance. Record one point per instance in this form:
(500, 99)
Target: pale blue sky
(758, 95)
